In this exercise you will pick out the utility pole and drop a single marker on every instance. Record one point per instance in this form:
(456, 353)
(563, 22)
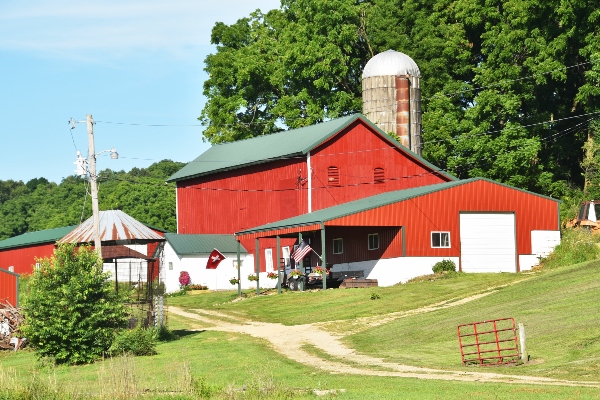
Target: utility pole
(93, 184)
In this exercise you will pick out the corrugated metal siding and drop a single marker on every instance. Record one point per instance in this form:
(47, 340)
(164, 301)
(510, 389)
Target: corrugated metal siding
(113, 225)
(228, 202)
(439, 211)
(8, 287)
(355, 243)
(35, 238)
(237, 200)
(203, 244)
(23, 258)
(357, 152)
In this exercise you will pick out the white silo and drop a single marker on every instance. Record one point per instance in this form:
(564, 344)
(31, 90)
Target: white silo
(391, 92)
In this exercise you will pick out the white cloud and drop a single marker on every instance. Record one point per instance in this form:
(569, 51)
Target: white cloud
(115, 27)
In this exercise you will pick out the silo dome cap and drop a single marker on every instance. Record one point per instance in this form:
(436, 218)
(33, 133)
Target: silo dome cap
(391, 62)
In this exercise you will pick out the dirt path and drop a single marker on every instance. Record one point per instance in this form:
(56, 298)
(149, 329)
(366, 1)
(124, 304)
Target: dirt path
(352, 362)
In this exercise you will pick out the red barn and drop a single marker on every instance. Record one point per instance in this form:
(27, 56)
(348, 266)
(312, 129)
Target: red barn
(273, 188)
(482, 225)
(18, 254)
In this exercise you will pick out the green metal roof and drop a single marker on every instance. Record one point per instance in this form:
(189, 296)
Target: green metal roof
(186, 244)
(262, 149)
(368, 203)
(39, 237)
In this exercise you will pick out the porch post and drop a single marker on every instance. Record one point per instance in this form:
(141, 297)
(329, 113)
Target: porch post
(257, 267)
(299, 243)
(278, 267)
(239, 268)
(323, 257)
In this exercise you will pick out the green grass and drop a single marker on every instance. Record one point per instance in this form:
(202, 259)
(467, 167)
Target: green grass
(559, 307)
(560, 311)
(293, 308)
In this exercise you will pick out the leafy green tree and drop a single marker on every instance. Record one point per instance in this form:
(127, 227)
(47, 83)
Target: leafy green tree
(39, 204)
(503, 82)
(294, 66)
(71, 310)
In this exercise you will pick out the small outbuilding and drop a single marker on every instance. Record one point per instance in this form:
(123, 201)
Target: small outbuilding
(191, 253)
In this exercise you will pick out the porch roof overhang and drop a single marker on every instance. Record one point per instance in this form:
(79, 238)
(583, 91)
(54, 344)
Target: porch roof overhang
(354, 213)
(119, 252)
(338, 215)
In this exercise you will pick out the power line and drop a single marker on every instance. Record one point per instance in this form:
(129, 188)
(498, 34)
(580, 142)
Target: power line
(466, 135)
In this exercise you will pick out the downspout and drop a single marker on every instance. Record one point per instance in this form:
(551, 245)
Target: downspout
(309, 178)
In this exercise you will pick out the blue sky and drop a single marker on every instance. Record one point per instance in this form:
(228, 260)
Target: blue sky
(128, 63)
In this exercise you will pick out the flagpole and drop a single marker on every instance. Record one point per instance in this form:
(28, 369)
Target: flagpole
(316, 254)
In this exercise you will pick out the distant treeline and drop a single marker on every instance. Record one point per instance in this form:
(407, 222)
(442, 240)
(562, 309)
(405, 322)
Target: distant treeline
(40, 204)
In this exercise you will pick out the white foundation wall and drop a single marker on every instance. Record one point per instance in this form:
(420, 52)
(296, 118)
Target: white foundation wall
(542, 244)
(528, 261)
(391, 271)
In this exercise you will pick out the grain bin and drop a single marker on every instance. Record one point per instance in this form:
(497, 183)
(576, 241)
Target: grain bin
(391, 92)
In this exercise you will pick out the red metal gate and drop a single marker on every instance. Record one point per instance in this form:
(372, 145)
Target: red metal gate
(9, 287)
(489, 342)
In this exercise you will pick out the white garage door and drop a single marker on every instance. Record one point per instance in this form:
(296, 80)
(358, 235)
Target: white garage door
(487, 242)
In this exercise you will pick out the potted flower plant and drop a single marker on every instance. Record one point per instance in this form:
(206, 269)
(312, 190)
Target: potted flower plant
(295, 273)
(252, 277)
(272, 275)
(234, 281)
(318, 270)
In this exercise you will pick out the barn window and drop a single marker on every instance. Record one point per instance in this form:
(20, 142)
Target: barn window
(170, 266)
(338, 246)
(440, 239)
(11, 268)
(373, 241)
(333, 176)
(37, 265)
(269, 260)
(378, 175)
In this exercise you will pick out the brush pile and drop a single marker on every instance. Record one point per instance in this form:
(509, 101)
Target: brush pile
(10, 321)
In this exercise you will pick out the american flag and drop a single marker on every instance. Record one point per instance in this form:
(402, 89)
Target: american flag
(301, 251)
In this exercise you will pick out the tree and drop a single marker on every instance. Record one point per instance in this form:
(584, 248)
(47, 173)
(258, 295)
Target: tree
(71, 310)
(508, 86)
(292, 67)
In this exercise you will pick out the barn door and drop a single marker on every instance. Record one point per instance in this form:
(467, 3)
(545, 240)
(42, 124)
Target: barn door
(488, 242)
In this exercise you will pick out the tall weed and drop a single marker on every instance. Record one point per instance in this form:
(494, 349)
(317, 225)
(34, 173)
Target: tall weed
(577, 245)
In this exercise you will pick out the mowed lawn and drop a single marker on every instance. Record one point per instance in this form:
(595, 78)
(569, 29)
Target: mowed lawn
(560, 309)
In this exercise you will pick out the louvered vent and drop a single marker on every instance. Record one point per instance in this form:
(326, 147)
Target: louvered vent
(378, 175)
(333, 176)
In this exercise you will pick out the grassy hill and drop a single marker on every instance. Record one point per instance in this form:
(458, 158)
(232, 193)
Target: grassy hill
(559, 307)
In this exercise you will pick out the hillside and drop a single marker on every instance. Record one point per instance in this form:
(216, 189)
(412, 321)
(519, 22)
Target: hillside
(415, 324)
(399, 344)
(40, 204)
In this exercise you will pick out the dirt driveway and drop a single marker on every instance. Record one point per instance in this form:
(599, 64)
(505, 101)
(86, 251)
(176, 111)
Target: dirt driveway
(328, 341)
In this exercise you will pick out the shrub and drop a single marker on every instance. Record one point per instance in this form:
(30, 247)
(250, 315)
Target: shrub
(444, 266)
(184, 279)
(576, 246)
(71, 309)
(137, 342)
(197, 287)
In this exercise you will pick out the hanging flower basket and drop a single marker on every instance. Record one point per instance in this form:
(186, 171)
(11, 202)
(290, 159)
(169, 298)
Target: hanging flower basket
(295, 273)
(318, 270)
(252, 277)
(272, 275)
(234, 281)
